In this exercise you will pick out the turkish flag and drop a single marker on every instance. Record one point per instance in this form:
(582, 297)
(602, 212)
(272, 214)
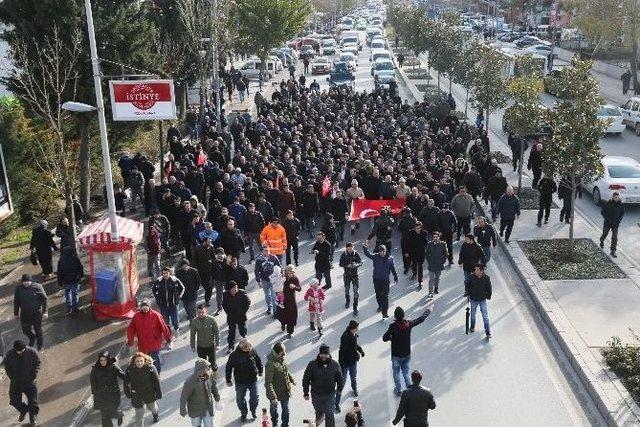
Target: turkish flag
(326, 186)
(363, 208)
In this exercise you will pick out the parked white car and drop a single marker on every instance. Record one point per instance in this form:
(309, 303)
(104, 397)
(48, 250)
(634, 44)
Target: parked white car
(538, 49)
(382, 64)
(350, 59)
(621, 174)
(614, 116)
(631, 114)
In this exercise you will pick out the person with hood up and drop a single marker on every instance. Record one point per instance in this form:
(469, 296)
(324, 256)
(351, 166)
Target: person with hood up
(349, 354)
(278, 382)
(382, 267)
(42, 245)
(167, 290)
(22, 365)
(324, 377)
(106, 389)
(70, 272)
(315, 296)
(198, 393)
(246, 366)
(151, 331)
(399, 334)
(142, 386)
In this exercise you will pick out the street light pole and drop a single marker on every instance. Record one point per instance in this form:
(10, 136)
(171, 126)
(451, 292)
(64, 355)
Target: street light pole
(216, 74)
(104, 143)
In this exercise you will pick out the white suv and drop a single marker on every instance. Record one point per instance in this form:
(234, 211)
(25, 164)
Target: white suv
(631, 114)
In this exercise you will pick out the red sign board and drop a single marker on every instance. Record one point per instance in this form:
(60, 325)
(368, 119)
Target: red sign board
(142, 100)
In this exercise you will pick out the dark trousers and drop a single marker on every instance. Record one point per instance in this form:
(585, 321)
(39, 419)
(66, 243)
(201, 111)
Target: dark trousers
(537, 172)
(614, 235)
(32, 328)
(292, 244)
(448, 239)
(219, 293)
(544, 209)
(381, 288)
(348, 281)
(565, 212)
(464, 225)
(205, 279)
(326, 274)
(406, 261)
(45, 260)
(208, 353)
(242, 329)
(506, 225)
(323, 405)
(15, 399)
(340, 230)
(416, 268)
(107, 416)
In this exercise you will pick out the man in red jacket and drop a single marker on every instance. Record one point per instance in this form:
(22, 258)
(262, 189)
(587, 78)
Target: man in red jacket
(149, 328)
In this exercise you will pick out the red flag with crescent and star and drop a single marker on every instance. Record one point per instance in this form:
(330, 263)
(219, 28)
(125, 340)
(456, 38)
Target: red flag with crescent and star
(363, 208)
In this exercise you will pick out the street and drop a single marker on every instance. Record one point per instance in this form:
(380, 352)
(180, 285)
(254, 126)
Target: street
(517, 378)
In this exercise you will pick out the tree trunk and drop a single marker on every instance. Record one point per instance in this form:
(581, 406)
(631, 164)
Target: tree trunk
(182, 97)
(438, 82)
(634, 65)
(84, 158)
(573, 210)
(466, 102)
(486, 127)
(520, 165)
(450, 83)
(71, 216)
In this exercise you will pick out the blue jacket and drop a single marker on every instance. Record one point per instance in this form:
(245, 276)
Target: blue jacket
(382, 266)
(508, 206)
(239, 213)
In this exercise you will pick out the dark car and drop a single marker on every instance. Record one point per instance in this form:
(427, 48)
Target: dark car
(340, 75)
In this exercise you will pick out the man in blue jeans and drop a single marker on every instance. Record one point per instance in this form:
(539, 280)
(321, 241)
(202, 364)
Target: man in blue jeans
(399, 333)
(245, 365)
(264, 268)
(478, 289)
(167, 291)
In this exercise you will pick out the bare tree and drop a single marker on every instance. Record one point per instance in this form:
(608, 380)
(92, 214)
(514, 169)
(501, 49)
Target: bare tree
(47, 75)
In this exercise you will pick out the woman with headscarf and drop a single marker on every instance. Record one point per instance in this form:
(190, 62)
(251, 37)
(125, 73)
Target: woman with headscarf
(43, 245)
(142, 386)
(106, 389)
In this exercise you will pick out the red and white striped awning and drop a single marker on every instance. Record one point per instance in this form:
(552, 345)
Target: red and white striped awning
(99, 232)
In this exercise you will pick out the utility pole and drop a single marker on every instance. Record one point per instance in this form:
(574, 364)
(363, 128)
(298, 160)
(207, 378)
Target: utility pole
(104, 143)
(216, 74)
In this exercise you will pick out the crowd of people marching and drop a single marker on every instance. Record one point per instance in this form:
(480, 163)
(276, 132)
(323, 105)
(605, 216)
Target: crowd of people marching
(243, 196)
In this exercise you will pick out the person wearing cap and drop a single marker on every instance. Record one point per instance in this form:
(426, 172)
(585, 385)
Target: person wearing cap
(30, 306)
(321, 380)
(190, 279)
(168, 290)
(315, 297)
(447, 224)
(42, 245)
(236, 303)
(150, 330)
(278, 383)
(399, 334)
(22, 365)
(383, 266)
(275, 237)
(198, 394)
(246, 366)
(106, 388)
(612, 212)
(415, 403)
(349, 354)
(478, 288)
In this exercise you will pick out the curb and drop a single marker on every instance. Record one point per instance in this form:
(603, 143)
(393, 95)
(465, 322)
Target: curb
(613, 401)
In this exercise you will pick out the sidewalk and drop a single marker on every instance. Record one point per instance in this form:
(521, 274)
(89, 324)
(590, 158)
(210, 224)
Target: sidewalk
(583, 315)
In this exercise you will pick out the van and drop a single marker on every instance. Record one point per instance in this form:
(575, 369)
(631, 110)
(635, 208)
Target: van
(251, 68)
(631, 114)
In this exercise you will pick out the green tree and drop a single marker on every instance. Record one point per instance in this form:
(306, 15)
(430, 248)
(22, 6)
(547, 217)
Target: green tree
(526, 114)
(463, 68)
(487, 84)
(269, 23)
(573, 152)
(599, 28)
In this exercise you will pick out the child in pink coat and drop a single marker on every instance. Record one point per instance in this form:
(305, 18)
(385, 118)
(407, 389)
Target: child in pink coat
(315, 297)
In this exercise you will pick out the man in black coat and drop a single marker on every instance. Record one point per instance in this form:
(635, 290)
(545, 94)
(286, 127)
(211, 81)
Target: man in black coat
(292, 228)
(245, 365)
(30, 305)
(22, 364)
(42, 245)
(167, 291)
(546, 187)
(415, 403)
(231, 239)
(470, 254)
(350, 261)
(348, 356)
(478, 288)
(235, 304)
(190, 279)
(446, 222)
(612, 212)
(415, 246)
(324, 377)
(428, 216)
(535, 164)
(496, 186)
